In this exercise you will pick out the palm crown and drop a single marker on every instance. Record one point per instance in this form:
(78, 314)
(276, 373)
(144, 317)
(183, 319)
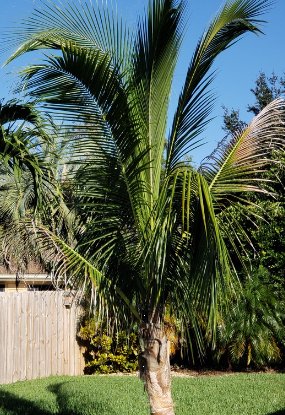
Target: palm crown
(152, 234)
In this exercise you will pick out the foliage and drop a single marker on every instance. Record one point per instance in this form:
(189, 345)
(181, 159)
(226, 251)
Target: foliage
(32, 189)
(252, 332)
(252, 394)
(23, 178)
(150, 230)
(232, 122)
(267, 88)
(108, 353)
(111, 351)
(267, 231)
(22, 132)
(267, 235)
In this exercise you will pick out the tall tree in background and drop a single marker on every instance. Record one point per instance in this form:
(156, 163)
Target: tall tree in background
(268, 237)
(238, 333)
(267, 88)
(31, 184)
(151, 228)
(22, 168)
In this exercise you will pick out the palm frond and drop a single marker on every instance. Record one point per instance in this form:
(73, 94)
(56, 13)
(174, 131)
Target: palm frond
(79, 268)
(11, 111)
(195, 102)
(154, 58)
(90, 27)
(240, 166)
(23, 132)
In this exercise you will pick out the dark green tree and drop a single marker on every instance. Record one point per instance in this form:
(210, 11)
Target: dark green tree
(32, 186)
(266, 89)
(253, 332)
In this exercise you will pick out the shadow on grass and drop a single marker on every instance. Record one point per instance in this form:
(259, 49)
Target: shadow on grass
(280, 412)
(67, 404)
(13, 404)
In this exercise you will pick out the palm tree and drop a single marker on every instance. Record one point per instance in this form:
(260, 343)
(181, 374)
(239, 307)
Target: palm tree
(30, 183)
(21, 127)
(150, 233)
(21, 176)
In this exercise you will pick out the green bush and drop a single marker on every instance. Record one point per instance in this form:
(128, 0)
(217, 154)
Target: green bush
(252, 333)
(106, 354)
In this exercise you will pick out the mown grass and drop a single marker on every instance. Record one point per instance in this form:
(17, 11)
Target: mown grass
(248, 394)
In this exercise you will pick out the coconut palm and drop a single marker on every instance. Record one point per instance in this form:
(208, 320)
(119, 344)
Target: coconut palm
(21, 127)
(21, 173)
(30, 182)
(151, 226)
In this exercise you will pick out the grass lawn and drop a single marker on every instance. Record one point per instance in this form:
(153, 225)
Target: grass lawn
(240, 394)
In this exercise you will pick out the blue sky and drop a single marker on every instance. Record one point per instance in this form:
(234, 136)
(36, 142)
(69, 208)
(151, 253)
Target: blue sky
(236, 69)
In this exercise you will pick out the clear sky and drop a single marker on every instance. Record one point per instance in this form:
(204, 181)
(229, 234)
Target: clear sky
(237, 68)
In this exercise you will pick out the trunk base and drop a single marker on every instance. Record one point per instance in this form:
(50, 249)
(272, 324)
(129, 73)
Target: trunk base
(154, 364)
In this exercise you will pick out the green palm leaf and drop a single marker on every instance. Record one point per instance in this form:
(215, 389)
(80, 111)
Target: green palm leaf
(88, 26)
(195, 102)
(238, 168)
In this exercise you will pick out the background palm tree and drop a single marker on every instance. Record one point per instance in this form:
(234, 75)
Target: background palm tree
(21, 127)
(31, 184)
(21, 134)
(150, 231)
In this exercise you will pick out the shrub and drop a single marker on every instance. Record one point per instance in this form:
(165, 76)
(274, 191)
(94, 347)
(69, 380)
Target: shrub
(252, 334)
(108, 354)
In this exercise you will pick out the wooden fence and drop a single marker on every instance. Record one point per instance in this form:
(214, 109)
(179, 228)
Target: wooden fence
(38, 336)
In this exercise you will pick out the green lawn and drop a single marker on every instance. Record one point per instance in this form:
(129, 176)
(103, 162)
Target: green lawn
(248, 394)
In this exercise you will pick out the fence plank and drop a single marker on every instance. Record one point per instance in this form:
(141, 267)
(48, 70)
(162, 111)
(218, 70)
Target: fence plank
(37, 336)
(24, 317)
(9, 337)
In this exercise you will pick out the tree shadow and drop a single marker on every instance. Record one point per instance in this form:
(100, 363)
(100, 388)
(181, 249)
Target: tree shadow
(16, 405)
(280, 412)
(75, 402)
(67, 404)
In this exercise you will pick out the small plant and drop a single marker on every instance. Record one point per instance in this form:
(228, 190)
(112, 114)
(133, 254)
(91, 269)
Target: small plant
(108, 354)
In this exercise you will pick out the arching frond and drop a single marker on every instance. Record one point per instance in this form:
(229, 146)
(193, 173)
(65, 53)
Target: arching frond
(11, 111)
(154, 59)
(195, 102)
(22, 132)
(87, 26)
(239, 167)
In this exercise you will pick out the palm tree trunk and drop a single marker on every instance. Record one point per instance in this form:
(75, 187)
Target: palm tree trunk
(154, 362)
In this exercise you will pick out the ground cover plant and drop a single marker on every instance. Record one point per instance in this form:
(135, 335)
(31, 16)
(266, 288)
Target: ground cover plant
(248, 394)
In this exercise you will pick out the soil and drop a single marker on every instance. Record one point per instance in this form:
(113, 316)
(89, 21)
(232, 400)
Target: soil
(178, 372)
